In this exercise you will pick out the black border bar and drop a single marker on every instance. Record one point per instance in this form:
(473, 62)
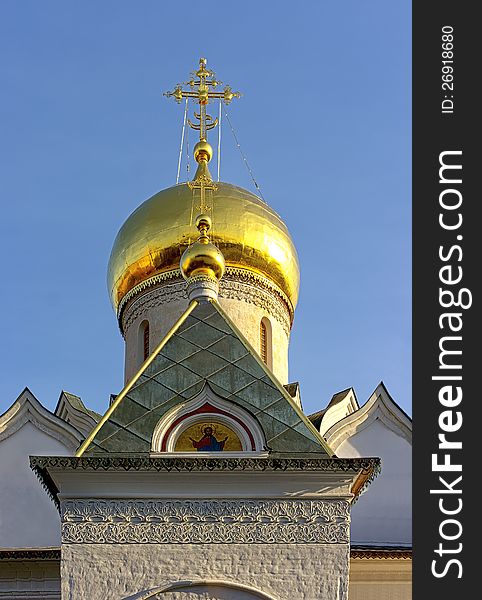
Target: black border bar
(446, 523)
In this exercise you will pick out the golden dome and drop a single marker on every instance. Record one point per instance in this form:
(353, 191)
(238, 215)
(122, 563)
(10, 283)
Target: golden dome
(247, 231)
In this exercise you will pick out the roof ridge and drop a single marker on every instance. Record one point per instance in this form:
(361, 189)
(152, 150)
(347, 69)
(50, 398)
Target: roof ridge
(76, 403)
(89, 439)
(274, 379)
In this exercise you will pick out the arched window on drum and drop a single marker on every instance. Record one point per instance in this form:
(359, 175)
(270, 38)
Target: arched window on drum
(143, 342)
(265, 342)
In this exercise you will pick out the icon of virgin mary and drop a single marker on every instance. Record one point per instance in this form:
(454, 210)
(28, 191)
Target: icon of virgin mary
(208, 443)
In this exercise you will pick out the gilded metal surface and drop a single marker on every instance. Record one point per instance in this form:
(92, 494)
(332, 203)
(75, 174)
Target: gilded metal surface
(246, 230)
(202, 257)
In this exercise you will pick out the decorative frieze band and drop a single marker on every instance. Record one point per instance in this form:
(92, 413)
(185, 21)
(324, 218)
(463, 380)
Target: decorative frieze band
(236, 284)
(95, 521)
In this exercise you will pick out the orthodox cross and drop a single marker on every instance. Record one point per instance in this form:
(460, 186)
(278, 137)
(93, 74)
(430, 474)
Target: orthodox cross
(202, 88)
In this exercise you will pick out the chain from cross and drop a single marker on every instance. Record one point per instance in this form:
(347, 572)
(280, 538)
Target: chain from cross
(201, 87)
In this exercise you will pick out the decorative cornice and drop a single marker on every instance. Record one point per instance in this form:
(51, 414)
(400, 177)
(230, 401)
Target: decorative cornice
(202, 287)
(356, 552)
(187, 464)
(255, 292)
(153, 297)
(47, 483)
(205, 521)
(250, 277)
(368, 468)
(167, 276)
(237, 283)
(30, 554)
(375, 552)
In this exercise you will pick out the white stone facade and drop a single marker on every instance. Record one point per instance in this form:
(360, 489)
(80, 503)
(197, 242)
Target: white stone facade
(218, 534)
(207, 572)
(379, 428)
(28, 518)
(205, 521)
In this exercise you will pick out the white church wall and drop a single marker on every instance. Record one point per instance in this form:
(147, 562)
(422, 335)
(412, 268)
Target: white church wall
(279, 571)
(268, 539)
(28, 517)
(383, 514)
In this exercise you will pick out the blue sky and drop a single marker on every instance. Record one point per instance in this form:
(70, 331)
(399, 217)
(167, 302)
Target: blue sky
(86, 136)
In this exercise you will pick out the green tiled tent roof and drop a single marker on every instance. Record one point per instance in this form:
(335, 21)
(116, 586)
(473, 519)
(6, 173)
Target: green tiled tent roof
(207, 349)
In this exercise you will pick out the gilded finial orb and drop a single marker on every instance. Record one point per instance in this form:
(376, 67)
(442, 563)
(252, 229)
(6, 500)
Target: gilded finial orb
(203, 223)
(203, 151)
(202, 257)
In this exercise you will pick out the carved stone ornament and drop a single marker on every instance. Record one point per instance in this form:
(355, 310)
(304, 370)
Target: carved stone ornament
(94, 521)
(238, 284)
